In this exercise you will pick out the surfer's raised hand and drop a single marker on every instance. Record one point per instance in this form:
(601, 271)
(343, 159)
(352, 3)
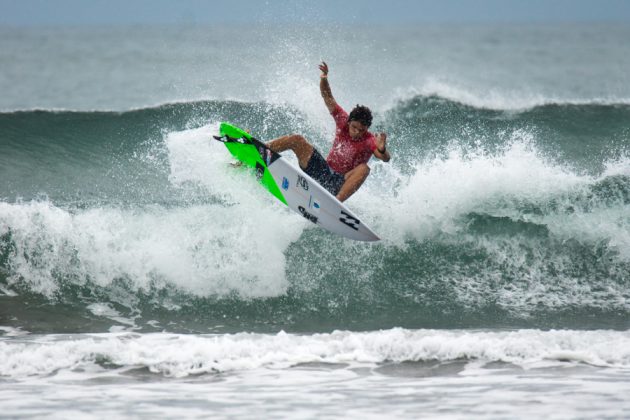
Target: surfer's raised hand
(324, 88)
(381, 141)
(381, 147)
(324, 68)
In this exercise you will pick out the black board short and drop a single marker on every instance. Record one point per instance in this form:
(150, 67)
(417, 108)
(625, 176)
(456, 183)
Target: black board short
(318, 169)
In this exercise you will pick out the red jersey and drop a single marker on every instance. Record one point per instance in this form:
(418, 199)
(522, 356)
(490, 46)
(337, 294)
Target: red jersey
(347, 153)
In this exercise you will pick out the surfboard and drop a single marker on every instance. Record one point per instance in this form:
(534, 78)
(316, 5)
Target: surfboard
(293, 187)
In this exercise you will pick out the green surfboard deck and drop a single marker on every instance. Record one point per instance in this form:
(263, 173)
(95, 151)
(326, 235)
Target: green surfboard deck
(250, 154)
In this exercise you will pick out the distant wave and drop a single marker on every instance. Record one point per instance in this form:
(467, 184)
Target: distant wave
(401, 96)
(499, 101)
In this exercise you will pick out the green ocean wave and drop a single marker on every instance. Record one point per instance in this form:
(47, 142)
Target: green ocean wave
(512, 257)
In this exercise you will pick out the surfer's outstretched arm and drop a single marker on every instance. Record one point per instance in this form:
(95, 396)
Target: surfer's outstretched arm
(324, 88)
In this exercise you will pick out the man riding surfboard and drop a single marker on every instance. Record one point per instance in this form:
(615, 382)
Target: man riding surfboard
(345, 169)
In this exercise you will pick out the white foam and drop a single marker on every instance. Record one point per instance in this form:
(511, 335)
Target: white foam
(5, 291)
(13, 332)
(619, 166)
(436, 200)
(183, 355)
(235, 243)
(106, 310)
(205, 249)
(441, 190)
(433, 199)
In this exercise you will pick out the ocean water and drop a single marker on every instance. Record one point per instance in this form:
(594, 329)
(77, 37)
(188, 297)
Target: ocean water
(141, 276)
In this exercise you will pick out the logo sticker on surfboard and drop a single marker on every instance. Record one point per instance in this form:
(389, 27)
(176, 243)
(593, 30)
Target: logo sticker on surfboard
(349, 220)
(312, 204)
(302, 182)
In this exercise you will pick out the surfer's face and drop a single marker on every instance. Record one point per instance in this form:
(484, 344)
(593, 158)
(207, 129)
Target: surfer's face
(357, 130)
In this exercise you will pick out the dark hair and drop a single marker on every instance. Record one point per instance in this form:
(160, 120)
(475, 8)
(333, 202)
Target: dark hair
(361, 114)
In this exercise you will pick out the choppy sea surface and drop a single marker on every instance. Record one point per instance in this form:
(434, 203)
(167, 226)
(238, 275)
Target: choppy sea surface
(142, 276)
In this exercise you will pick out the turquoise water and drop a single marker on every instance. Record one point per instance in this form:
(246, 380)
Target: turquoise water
(134, 265)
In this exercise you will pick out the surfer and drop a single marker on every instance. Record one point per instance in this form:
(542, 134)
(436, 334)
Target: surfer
(345, 169)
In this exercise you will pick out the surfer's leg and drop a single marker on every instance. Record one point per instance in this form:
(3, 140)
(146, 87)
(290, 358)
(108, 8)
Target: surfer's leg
(295, 142)
(354, 179)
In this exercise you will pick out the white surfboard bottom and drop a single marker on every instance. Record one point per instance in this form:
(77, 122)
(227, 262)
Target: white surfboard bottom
(306, 197)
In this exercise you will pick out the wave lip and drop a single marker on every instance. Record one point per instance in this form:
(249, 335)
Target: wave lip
(499, 100)
(183, 355)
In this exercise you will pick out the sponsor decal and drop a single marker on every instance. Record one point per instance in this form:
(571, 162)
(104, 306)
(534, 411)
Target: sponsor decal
(307, 215)
(312, 204)
(285, 183)
(302, 182)
(349, 220)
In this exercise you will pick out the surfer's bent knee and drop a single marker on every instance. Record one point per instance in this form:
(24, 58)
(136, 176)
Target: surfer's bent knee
(362, 168)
